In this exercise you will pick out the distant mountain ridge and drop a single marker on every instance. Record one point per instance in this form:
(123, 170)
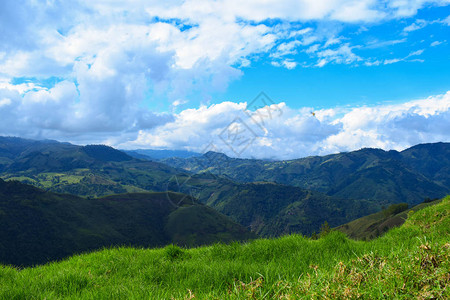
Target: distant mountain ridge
(93, 170)
(387, 176)
(160, 154)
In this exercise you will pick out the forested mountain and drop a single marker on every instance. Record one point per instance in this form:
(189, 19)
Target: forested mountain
(373, 174)
(93, 170)
(269, 197)
(432, 160)
(272, 209)
(38, 226)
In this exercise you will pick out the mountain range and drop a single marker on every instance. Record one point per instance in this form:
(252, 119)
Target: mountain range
(270, 198)
(373, 174)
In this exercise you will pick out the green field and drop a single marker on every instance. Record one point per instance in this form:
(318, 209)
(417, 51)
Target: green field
(412, 261)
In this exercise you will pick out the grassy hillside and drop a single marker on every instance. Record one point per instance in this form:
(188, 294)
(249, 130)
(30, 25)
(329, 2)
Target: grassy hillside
(377, 224)
(38, 226)
(412, 261)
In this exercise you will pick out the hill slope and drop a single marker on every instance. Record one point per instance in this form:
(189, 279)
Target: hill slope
(377, 224)
(410, 262)
(37, 226)
(270, 209)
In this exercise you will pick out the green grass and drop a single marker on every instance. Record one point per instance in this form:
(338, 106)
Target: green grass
(24, 179)
(48, 179)
(412, 261)
(377, 224)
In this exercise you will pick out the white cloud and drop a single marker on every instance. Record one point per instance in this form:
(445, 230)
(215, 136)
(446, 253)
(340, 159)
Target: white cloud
(446, 21)
(419, 24)
(342, 55)
(288, 64)
(62, 112)
(392, 61)
(406, 58)
(408, 8)
(5, 101)
(289, 133)
(312, 48)
(55, 38)
(332, 41)
(416, 53)
(286, 48)
(394, 126)
(321, 63)
(435, 43)
(379, 44)
(21, 87)
(373, 63)
(179, 102)
(86, 68)
(295, 33)
(344, 10)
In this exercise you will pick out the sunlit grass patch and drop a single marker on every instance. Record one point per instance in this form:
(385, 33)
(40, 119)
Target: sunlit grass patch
(412, 261)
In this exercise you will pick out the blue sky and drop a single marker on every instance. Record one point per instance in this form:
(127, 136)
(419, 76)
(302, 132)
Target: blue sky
(360, 82)
(339, 74)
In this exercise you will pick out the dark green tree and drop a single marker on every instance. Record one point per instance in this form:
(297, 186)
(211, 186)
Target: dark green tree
(324, 229)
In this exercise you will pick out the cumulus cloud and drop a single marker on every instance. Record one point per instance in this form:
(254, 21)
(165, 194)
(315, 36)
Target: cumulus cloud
(295, 10)
(277, 131)
(394, 126)
(59, 113)
(85, 69)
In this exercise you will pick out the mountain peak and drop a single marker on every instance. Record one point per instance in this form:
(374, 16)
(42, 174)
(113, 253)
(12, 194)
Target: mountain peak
(106, 153)
(215, 155)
